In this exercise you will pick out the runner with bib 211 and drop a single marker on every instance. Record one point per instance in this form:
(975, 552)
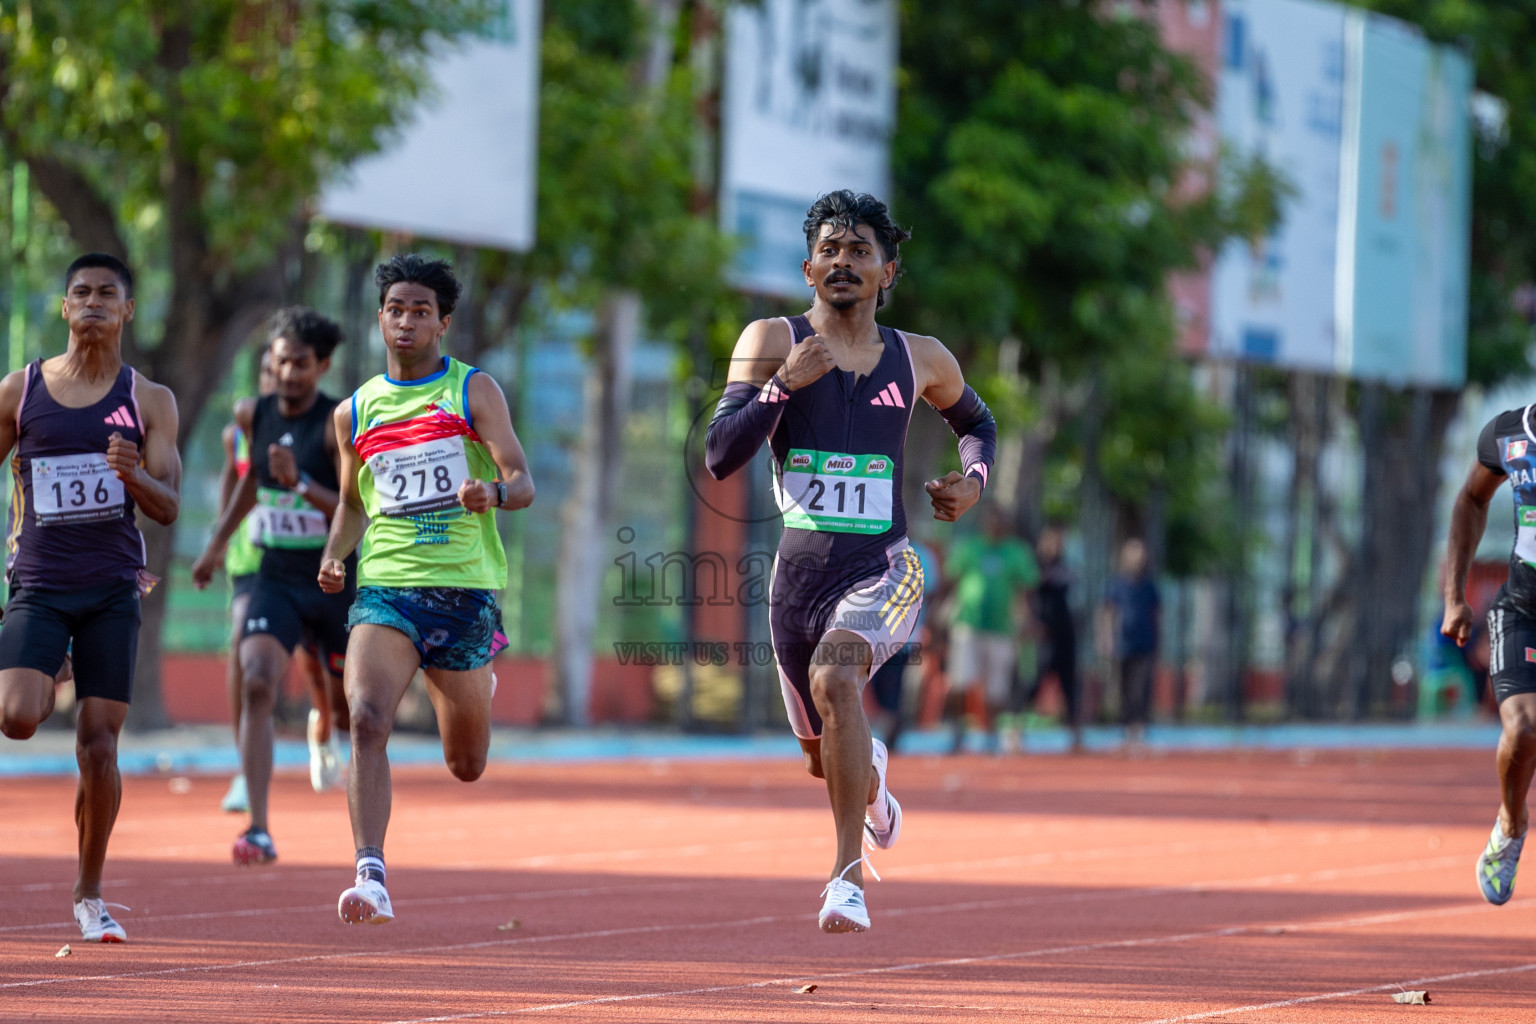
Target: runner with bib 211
(428, 453)
(832, 392)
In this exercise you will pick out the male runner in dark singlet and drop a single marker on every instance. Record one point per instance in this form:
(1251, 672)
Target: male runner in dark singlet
(292, 490)
(94, 440)
(833, 392)
(1506, 449)
(242, 562)
(428, 453)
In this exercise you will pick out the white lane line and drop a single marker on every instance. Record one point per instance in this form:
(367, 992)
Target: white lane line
(539, 861)
(773, 919)
(1266, 881)
(1087, 947)
(1347, 993)
(424, 901)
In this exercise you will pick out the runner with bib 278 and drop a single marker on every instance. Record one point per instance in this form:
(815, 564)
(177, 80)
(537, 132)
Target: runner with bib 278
(428, 453)
(832, 392)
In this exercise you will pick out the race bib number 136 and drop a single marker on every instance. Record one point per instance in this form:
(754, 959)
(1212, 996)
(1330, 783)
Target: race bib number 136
(837, 493)
(75, 489)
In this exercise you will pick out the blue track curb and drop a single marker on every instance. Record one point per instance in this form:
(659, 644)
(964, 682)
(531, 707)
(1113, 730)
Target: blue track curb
(210, 751)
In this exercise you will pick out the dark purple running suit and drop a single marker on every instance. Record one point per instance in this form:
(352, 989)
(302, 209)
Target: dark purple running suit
(843, 561)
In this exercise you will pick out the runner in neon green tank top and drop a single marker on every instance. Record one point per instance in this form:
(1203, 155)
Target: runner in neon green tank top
(428, 455)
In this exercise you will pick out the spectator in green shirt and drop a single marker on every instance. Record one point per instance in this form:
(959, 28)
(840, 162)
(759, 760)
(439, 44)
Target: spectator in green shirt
(991, 574)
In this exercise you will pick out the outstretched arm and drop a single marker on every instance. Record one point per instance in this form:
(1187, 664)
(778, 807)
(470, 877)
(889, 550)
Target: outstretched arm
(241, 500)
(1469, 517)
(349, 522)
(493, 422)
(944, 387)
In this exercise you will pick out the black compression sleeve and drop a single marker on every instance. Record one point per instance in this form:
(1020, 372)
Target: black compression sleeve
(744, 419)
(973, 424)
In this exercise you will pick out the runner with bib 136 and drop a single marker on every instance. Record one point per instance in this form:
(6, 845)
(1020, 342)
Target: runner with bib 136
(95, 442)
(832, 392)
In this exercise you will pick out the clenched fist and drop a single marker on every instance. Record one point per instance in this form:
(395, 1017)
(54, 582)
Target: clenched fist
(281, 465)
(477, 495)
(333, 575)
(953, 495)
(808, 362)
(122, 456)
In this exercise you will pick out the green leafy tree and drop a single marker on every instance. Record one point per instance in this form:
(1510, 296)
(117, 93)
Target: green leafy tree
(1372, 614)
(187, 137)
(1042, 159)
(622, 232)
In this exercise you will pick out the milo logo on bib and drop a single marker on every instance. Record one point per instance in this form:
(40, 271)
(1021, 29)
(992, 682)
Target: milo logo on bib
(835, 492)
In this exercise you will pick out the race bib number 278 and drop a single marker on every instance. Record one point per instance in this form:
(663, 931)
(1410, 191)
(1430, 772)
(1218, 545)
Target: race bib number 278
(421, 477)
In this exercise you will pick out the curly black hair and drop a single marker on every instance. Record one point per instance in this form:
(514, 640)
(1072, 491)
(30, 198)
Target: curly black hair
(413, 268)
(845, 209)
(303, 326)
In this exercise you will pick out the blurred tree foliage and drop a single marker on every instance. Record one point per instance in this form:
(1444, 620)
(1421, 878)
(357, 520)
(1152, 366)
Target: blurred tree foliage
(1040, 161)
(616, 191)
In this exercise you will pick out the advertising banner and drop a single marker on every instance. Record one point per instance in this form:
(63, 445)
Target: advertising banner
(1402, 310)
(808, 107)
(1280, 96)
(465, 168)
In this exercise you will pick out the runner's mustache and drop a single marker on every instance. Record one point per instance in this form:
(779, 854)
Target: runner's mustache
(839, 276)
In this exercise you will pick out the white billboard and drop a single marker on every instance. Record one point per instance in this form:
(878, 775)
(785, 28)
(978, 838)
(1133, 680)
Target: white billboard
(464, 168)
(809, 105)
(1405, 245)
(1280, 96)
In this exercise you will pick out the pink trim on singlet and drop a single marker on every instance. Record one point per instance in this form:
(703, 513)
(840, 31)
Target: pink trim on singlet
(26, 389)
(906, 347)
(133, 396)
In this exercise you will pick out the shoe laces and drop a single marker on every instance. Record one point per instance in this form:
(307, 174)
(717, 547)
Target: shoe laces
(839, 884)
(1501, 845)
(96, 907)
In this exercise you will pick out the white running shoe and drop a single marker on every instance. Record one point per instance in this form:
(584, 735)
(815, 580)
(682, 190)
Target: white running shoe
(238, 799)
(96, 925)
(843, 909)
(882, 819)
(367, 902)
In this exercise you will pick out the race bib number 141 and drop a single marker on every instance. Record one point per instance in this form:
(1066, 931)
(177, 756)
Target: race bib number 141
(836, 493)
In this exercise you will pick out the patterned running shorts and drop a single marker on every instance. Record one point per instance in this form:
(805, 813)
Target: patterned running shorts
(452, 628)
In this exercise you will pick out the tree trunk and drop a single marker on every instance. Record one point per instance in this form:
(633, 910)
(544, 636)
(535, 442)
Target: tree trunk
(1308, 431)
(148, 708)
(588, 511)
(194, 340)
(1374, 606)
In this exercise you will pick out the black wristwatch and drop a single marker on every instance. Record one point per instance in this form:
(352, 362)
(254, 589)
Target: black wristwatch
(501, 494)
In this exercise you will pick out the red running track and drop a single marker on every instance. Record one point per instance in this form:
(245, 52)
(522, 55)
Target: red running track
(1239, 888)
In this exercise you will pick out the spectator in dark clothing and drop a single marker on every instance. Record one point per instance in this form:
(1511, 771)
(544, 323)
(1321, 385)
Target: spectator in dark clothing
(1054, 613)
(1133, 608)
